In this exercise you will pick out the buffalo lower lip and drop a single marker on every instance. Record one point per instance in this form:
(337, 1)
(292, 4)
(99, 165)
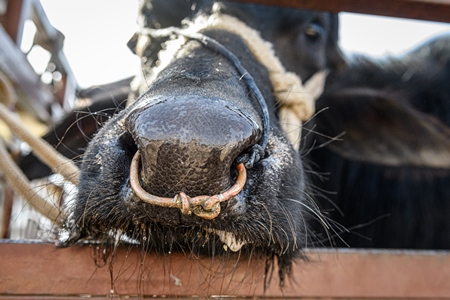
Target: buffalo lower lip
(206, 207)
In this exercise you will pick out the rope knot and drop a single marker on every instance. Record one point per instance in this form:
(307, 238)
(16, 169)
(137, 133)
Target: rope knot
(291, 94)
(298, 104)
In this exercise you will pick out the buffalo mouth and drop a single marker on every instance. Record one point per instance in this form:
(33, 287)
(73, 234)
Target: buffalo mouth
(206, 207)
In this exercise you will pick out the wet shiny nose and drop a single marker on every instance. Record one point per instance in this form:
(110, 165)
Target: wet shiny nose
(188, 143)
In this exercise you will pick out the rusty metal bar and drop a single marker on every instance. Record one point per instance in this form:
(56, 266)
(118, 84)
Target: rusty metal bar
(8, 198)
(66, 95)
(335, 273)
(431, 10)
(15, 17)
(15, 65)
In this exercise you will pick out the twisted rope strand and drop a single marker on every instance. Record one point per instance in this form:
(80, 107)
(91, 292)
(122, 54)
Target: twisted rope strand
(20, 183)
(44, 151)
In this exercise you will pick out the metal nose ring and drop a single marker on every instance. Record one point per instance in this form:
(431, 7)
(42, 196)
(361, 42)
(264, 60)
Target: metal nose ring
(206, 207)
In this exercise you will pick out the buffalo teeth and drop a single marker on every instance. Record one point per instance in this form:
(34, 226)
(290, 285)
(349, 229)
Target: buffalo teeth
(229, 240)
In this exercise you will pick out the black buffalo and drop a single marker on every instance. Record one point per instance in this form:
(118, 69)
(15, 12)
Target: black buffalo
(70, 135)
(386, 175)
(195, 121)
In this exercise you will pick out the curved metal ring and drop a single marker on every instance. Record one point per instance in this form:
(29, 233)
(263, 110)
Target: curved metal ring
(207, 207)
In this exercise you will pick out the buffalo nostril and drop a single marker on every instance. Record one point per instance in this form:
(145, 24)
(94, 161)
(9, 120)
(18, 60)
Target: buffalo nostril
(127, 144)
(188, 143)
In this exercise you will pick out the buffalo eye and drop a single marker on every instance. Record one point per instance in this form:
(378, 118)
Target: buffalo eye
(314, 32)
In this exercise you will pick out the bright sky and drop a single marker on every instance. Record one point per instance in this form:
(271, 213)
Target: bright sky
(379, 36)
(97, 31)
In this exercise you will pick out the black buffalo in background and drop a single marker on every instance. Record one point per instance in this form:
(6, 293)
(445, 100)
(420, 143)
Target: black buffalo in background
(72, 133)
(385, 178)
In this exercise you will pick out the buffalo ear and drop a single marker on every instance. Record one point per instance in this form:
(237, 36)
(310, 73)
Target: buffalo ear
(382, 129)
(141, 45)
(132, 42)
